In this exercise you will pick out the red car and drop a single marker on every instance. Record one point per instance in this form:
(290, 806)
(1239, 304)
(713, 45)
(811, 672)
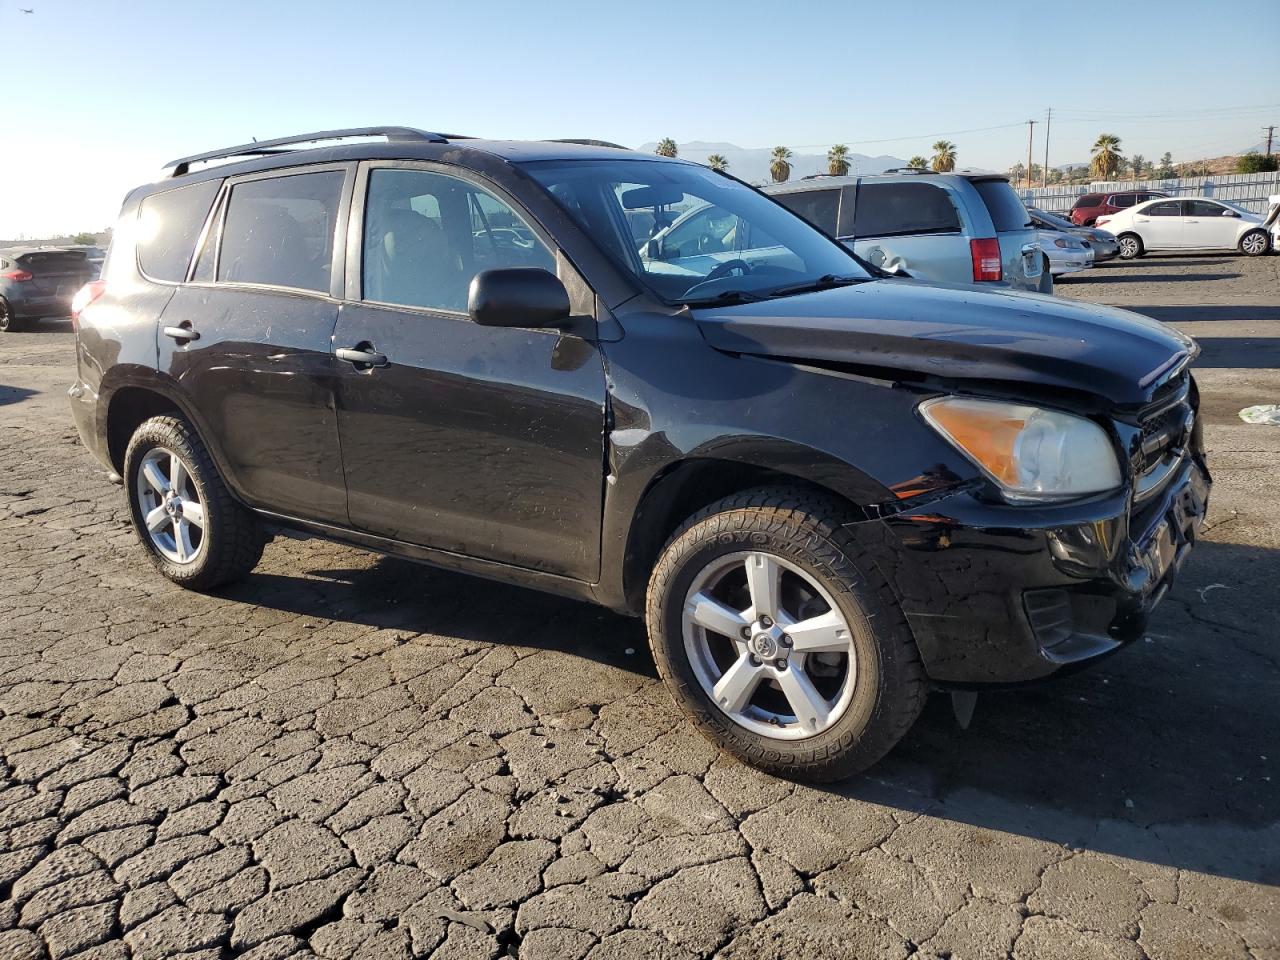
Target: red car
(1093, 205)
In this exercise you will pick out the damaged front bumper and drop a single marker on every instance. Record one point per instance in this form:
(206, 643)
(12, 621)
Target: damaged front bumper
(999, 594)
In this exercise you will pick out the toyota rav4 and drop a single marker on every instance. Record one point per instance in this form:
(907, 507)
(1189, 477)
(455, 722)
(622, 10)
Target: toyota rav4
(827, 490)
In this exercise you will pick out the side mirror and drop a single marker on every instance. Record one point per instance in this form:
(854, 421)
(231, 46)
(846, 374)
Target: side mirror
(1230, 213)
(518, 297)
(653, 250)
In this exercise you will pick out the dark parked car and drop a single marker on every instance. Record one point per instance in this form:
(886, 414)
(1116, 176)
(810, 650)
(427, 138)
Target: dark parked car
(1086, 210)
(39, 282)
(825, 489)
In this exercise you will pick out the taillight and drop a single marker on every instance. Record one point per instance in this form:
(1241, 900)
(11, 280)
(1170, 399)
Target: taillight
(986, 259)
(18, 274)
(90, 292)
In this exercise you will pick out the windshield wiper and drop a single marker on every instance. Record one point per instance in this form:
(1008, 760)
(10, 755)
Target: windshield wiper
(726, 297)
(825, 282)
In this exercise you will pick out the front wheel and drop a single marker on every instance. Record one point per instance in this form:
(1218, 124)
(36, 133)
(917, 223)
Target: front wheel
(192, 529)
(1255, 243)
(1130, 246)
(780, 639)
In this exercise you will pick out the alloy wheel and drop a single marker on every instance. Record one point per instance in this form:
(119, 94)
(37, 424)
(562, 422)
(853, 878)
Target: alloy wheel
(171, 506)
(769, 646)
(1254, 244)
(1128, 247)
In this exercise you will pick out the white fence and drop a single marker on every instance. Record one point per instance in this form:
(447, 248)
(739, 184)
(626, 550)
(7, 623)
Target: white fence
(1248, 190)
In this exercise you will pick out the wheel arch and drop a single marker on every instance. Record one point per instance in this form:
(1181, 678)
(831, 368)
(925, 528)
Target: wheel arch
(685, 486)
(132, 400)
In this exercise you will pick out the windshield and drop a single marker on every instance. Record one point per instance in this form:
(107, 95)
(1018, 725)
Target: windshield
(689, 234)
(1053, 219)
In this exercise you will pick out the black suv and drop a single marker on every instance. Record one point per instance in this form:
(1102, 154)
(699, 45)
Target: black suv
(824, 488)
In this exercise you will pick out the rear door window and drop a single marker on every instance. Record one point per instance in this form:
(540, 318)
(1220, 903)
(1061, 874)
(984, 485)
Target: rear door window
(819, 207)
(1123, 200)
(168, 225)
(279, 231)
(1170, 208)
(897, 209)
(1007, 211)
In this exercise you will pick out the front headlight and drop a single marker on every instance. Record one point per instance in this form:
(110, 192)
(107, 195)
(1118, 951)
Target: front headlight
(1031, 453)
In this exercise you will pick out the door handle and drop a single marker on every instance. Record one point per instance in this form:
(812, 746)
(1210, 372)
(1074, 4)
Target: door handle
(183, 332)
(362, 355)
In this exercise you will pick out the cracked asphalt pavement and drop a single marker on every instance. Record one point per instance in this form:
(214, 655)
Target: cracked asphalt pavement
(353, 756)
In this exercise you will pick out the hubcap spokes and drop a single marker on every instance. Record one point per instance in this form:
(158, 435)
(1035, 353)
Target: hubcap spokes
(171, 507)
(769, 646)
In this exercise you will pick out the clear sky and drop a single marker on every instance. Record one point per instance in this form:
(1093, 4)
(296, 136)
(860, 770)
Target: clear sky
(100, 93)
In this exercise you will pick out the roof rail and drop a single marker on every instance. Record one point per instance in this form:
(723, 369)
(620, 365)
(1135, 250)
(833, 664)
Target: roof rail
(262, 148)
(589, 143)
(909, 170)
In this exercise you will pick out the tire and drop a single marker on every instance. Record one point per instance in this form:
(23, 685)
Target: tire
(1255, 243)
(8, 322)
(802, 534)
(227, 542)
(1130, 246)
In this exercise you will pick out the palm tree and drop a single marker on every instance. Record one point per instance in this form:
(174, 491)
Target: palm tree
(944, 156)
(917, 163)
(838, 160)
(717, 162)
(666, 147)
(779, 168)
(1106, 156)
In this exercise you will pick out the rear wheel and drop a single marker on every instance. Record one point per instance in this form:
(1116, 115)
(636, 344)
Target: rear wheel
(1255, 243)
(780, 639)
(193, 531)
(8, 322)
(1130, 246)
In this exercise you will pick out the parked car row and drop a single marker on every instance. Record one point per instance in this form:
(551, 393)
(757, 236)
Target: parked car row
(952, 227)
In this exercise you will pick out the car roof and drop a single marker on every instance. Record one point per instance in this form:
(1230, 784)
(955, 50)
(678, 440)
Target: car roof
(825, 181)
(254, 157)
(51, 248)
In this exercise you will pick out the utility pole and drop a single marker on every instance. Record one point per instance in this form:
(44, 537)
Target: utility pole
(1270, 130)
(1044, 174)
(1031, 126)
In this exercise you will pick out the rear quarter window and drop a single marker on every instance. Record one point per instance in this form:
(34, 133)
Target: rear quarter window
(1007, 211)
(52, 261)
(168, 225)
(819, 207)
(1088, 200)
(897, 209)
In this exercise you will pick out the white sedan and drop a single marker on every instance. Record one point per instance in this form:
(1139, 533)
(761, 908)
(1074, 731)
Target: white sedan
(1193, 223)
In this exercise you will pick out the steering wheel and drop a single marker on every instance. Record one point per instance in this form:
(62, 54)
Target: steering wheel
(727, 268)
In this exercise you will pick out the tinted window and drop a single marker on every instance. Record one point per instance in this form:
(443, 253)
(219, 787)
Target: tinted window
(1122, 200)
(889, 209)
(426, 235)
(1170, 208)
(819, 207)
(52, 261)
(168, 225)
(1201, 208)
(1007, 211)
(761, 246)
(1088, 200)
(279, 231)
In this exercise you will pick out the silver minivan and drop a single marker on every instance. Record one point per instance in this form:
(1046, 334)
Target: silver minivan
(952, 227)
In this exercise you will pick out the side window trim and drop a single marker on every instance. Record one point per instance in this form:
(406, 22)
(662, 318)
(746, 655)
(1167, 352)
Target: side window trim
(212, 230)
(354, 269)
(217, 221)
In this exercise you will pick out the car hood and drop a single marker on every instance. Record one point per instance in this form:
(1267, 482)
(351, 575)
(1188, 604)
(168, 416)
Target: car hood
(955, 332)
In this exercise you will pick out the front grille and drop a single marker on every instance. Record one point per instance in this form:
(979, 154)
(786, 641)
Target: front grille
(1165, 433)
